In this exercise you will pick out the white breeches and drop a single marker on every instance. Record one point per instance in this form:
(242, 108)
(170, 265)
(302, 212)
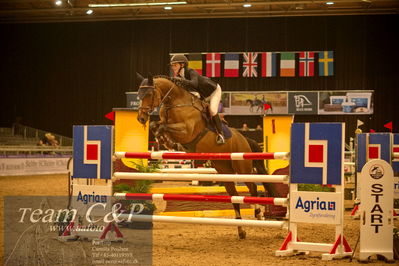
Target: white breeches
(214, 100)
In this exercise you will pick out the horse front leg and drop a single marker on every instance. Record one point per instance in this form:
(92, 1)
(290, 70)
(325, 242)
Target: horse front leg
(231, 190)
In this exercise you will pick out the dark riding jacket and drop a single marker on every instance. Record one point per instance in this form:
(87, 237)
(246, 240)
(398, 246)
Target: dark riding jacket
(203, 85)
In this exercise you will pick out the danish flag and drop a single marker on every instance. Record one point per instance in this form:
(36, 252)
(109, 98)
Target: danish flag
(213, 65)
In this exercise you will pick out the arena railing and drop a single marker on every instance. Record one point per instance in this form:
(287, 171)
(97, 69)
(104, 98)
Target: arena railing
(6, 151)
(33, 133)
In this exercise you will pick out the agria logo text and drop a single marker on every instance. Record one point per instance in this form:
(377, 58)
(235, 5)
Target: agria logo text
(310, 205)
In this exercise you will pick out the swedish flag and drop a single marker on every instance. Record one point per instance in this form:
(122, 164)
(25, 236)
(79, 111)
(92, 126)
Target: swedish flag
(326, 63)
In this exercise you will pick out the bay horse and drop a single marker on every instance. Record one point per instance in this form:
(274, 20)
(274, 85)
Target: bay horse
(183, 120)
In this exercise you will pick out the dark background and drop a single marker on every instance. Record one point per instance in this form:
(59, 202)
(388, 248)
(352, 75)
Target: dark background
(55, 75)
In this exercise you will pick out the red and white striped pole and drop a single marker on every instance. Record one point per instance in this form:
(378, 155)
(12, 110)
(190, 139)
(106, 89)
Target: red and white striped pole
(204, 156)
(209, 198)
(202, 177)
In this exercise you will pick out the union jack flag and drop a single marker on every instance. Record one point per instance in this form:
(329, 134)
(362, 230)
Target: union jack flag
(250, 65)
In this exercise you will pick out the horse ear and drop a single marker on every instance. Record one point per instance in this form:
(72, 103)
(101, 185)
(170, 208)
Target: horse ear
(150, 79)
(139, 77)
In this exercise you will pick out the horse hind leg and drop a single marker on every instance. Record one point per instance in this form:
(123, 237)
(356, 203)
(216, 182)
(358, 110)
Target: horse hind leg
(231, 190)
(253, 190)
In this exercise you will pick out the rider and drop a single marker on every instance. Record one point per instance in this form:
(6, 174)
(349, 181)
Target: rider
(208, 89)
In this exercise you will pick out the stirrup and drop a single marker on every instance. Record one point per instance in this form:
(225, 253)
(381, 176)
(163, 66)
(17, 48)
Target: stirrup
(220, 139)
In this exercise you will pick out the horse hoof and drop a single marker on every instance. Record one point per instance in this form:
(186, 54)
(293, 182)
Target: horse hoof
(258, 214)
(242, 234)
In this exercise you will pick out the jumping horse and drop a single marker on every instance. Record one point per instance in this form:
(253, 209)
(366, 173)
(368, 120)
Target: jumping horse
(184, 120)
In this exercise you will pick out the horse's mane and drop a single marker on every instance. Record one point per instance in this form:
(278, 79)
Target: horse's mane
(185, 84)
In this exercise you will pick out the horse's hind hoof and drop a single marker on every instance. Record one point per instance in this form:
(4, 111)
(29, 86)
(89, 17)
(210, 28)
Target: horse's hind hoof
(242, 234)
(258, 214)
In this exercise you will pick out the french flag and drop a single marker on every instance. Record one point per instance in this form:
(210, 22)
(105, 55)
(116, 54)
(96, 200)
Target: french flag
(231, 65)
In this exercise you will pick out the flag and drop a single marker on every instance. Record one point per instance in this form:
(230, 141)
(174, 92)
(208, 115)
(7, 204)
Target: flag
(111, 116)
(306, 64)
(389, 126)
(213, 65)
(269, 64)
(359, 123)
(326, 63)
(195, 62)
(250, 65)
(231, 62)
(287, 64)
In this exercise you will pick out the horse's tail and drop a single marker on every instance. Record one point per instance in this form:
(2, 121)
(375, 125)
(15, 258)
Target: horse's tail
(257, 164)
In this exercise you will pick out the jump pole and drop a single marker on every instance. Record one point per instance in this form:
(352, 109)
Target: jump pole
(195, 190)
(195, 220)
(208, 198)
(204, 156)
(202, 177)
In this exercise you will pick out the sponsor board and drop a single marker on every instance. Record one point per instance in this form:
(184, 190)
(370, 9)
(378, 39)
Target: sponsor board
(302, 102)
(33, 166)
(97, 199)
(315, 207)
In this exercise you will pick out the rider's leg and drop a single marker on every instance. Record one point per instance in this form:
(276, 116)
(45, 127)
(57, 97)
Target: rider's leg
(218, 125)
(213, 110)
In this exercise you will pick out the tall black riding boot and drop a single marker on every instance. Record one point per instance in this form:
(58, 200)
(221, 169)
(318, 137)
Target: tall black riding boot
(218, 125)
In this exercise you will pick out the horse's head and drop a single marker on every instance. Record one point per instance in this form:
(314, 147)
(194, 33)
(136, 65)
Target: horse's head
(149, 97)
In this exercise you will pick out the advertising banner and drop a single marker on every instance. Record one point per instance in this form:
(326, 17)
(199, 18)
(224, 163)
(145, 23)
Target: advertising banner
(350, 102)
(33, 166)
(315, 207)
(302, 102)
(345, 102)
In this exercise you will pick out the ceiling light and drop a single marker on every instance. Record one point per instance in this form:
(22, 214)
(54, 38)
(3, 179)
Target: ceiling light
(58, 3)
(329, 3)
(168, 8)
(246, 5)
(139, 4)
(89, 12)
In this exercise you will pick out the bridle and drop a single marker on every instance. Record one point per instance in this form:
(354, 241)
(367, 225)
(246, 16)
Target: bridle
(163, 103)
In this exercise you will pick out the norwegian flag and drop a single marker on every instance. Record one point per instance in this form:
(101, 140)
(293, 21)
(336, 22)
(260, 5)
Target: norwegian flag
(213, 65)
(231, 65)
(250, 65)
(306, 64)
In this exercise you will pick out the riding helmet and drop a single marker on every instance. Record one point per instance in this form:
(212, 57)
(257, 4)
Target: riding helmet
(179, 58)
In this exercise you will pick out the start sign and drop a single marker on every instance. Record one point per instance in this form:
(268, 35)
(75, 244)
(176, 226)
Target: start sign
(376, 210)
